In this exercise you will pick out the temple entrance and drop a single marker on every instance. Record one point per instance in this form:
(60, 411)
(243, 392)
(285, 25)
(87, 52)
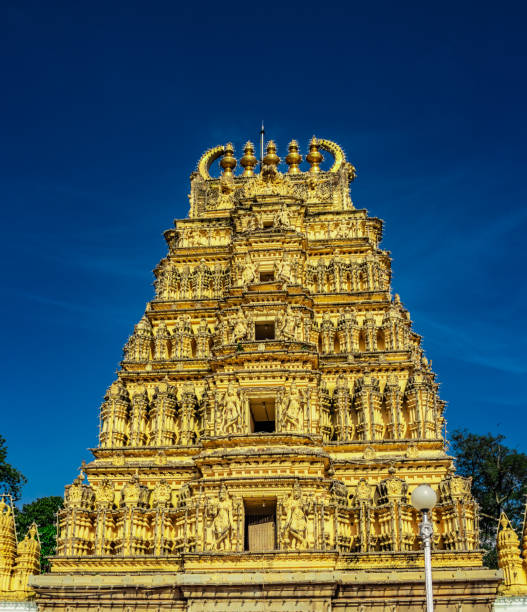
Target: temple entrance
(260, 525)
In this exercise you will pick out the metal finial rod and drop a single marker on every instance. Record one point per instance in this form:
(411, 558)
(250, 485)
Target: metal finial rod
(262, 135)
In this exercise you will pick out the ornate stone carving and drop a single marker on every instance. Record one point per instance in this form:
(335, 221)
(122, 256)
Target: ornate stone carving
(104, 495)
(287, 325)
(221, 511)
(240, 327)
(161, 495)
(291, 410)
(248, 272)
(286, 270)
(231, 410)
(203, 335)
(281, 220)
(294, 532)
(162, 342)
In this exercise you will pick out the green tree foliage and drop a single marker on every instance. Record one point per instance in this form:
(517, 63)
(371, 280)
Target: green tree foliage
(42, 511)
(11, 480)
(499, 482)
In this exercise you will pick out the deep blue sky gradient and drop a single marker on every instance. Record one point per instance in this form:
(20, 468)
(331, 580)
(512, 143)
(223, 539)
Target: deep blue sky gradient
(107, 107)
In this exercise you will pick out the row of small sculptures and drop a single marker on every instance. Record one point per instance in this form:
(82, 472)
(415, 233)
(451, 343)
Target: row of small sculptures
(282, 220)
(222, 513)
(290, 324)
(232, 192)
(300, 520)
(333, 276)
(362, 412)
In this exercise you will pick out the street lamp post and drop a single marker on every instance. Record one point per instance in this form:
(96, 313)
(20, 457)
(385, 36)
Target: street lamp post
(424, 499)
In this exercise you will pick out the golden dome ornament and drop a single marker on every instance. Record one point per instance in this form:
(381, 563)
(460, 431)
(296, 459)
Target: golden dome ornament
(293, 158)
(315, 157)
(248, 162)
(228, 161)
(271, 158)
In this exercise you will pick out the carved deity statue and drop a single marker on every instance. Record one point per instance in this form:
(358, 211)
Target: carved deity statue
(240, 328)
(281, 218)
(294, 532)
(232, 410)
(326, 330)
(286, 325)
(222, 523)
(291, 410)
(320, 273)
(284, 270)
(254, 222)
(249, 272)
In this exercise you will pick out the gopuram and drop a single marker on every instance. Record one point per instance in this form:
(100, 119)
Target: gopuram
(273, 412)
(18, 560)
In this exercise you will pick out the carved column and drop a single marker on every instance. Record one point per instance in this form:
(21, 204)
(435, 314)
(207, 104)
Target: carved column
(138, 418)
(114, 416)
(344, 428)
(162, 342)
(162, 428)
(421, 400)
(393, 403)
(187, 417)
(367, 402)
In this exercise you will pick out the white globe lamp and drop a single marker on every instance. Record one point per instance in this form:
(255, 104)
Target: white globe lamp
(424, 498)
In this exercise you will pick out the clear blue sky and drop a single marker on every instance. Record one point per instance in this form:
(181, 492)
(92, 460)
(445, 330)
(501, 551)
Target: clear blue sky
(107, 107)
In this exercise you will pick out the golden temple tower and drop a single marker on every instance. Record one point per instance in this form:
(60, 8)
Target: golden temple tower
(273, 412)
(511, 560)
(18, 560)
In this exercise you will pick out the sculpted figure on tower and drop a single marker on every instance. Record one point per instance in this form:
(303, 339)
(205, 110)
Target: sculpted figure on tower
(222, 522)
(240, 327)
(291, 410)
(294, 534)
(231, 406)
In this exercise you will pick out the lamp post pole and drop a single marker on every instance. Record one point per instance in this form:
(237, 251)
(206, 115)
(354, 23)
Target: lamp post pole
(426, 532)
(424, 498)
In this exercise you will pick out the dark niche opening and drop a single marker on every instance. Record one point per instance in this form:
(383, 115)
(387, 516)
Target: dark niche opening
(264, 331)
(262, 413)
(266, 277)
(260, 524)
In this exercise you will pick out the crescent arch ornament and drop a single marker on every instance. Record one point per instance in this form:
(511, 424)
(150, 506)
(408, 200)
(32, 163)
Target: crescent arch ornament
(207, 159)
(337, 153)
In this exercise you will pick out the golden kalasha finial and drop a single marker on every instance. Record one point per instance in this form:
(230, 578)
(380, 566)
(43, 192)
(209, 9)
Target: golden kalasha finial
(228, 161)
(314, 157)
(271, 158)
(248, 161)
(293, 158)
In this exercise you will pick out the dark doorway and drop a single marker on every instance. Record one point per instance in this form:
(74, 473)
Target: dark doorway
(260, 525)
